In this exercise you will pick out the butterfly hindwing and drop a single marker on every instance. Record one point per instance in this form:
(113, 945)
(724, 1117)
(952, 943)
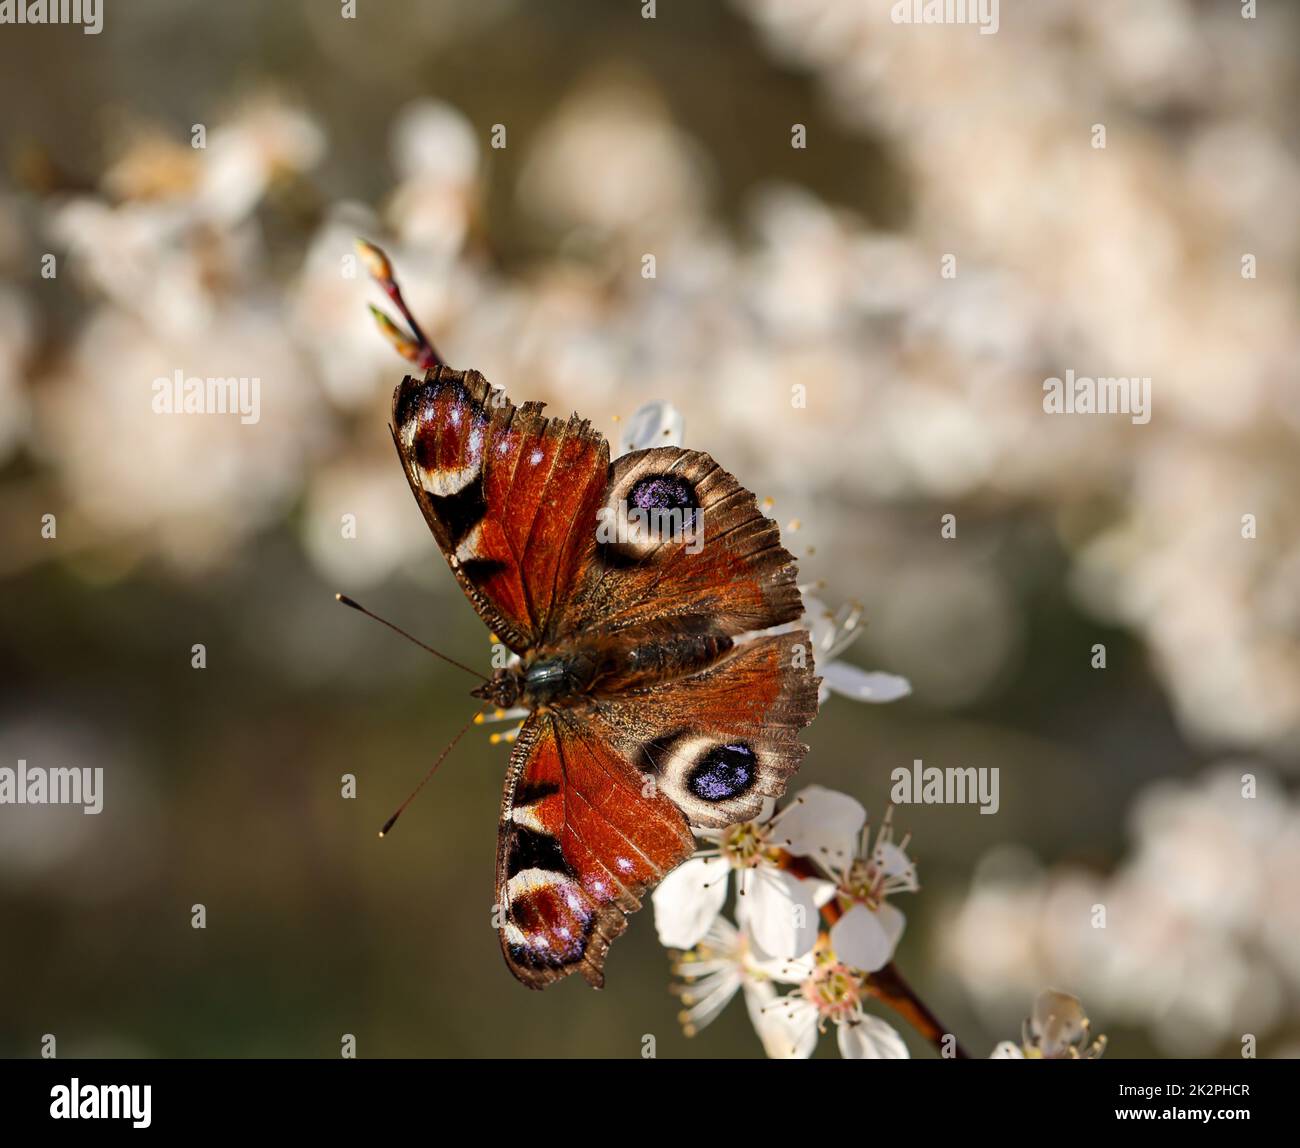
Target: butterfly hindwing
(720, 741)
(599, 798)
(580, 839)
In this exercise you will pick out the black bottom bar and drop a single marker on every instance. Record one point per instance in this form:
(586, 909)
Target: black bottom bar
(374, 1096)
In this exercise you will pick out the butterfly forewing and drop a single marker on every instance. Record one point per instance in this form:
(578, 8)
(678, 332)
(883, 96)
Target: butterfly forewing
(505, 491)
(724, 568)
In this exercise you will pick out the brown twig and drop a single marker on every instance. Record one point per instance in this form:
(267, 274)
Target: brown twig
(414, 346)
(889, 986)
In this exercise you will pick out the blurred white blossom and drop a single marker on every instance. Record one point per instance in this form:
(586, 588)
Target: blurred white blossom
(267, 140)
(1190, 946)
(612, 161)
(15, 345)
(1057, 1029)
(192, 486)
(436, 155)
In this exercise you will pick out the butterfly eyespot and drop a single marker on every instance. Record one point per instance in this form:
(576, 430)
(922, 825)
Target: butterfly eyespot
(726, 771)
(559, 900)
(642, 514)
(664, 492)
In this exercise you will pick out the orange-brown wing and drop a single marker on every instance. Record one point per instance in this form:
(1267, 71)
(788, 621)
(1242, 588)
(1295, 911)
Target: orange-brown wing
(537, 525)
(680, 542)
(511, 496)
(598, 798)
(580, 839)
(720, 741)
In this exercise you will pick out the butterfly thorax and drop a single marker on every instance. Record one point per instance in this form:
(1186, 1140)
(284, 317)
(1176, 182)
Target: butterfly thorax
(569, 674)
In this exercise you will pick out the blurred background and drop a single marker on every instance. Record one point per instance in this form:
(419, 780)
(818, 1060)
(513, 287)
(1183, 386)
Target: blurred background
(774, 265)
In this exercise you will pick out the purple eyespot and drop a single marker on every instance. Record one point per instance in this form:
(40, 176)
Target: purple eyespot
(724, 772)
(664, 492)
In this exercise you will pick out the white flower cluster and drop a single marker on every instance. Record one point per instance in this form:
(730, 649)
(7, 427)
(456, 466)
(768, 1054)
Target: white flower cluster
(813, 861)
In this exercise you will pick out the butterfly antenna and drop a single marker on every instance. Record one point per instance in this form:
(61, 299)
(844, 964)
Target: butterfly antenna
(415, 347)
(410, 638)
(432, 770)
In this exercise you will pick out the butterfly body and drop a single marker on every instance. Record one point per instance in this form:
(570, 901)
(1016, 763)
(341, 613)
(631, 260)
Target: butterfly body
(655, 701)
(580, 673)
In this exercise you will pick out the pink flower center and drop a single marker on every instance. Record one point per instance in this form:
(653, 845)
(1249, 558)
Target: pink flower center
(834, 991)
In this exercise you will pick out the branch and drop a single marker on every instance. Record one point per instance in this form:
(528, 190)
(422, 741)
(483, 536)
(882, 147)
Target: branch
(414, 346)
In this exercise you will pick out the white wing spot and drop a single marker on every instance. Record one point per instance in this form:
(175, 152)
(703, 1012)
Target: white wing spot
(469, 546)
(448, 480)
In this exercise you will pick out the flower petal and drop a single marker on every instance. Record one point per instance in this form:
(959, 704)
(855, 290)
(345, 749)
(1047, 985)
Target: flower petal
(783, 970)
(819, 622)
(780, 913)
(894, 861)
(870, 1039)
(823, 891)
(655, 424)
(787, 1027)
(822, 824)
(760, 997)
(815, 611)
(688, 901)
(851, 682)
(893, 920)
(864, 939)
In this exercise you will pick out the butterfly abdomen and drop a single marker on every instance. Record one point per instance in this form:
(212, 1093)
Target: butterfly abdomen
(645, 661)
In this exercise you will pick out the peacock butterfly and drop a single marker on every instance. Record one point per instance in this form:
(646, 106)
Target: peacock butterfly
(653, 700)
